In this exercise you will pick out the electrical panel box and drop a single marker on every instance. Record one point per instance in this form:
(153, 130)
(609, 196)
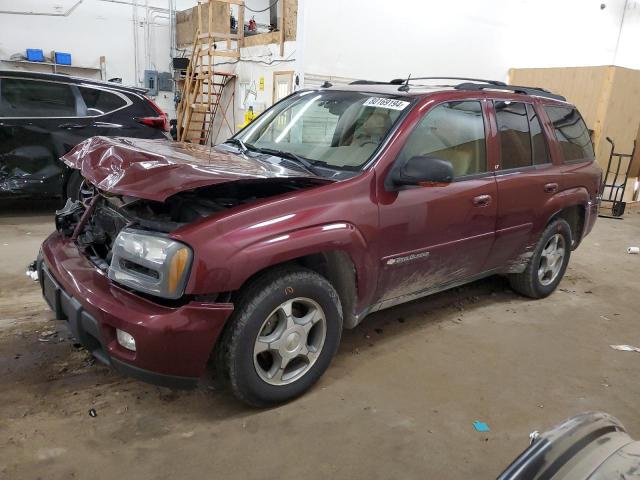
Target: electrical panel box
(165, 82)
(180, 63)
(151, 82)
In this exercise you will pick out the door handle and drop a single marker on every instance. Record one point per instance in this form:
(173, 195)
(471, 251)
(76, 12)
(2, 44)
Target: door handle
(482, 201)
(71, 125)
(551, 187)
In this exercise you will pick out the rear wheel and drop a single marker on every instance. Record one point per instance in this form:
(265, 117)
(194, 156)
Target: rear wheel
(548, 263)
(283, 334)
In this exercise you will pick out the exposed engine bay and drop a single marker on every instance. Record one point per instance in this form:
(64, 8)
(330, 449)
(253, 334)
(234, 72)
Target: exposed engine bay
(111, 213)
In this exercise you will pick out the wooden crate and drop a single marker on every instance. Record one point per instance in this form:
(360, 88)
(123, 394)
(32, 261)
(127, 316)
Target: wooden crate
(607, 96)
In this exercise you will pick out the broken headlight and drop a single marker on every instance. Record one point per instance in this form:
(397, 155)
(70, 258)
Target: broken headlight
(150, 263)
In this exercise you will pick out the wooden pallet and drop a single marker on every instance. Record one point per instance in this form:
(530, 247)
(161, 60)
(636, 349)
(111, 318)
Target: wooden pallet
(202, 92)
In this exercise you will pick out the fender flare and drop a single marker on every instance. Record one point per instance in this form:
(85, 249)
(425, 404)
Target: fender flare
(571, 197)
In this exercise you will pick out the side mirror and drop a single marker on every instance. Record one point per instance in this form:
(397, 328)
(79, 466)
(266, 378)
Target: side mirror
(423, 169)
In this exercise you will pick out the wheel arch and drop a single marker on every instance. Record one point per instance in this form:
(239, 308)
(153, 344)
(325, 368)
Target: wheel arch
(336, 266)
(575, 216)
(571, 206)
(338, 251)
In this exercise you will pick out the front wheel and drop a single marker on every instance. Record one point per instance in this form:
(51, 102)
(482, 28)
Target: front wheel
(283, 334)
(548, 263)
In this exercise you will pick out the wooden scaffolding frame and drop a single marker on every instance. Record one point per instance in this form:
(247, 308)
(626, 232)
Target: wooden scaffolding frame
(204, 85)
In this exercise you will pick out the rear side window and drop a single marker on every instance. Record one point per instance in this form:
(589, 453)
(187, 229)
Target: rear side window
(515, 138)
(452, 131)
(33, 98)
(538, 142)
(572, 134)
(100, 102)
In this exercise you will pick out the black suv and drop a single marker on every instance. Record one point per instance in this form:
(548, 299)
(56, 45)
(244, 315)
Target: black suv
(43, 116)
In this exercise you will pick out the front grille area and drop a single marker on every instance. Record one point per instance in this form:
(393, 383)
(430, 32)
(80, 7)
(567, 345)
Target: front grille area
(100, 231)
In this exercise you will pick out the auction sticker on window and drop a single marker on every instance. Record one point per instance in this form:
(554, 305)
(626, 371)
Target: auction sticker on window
(386, 103)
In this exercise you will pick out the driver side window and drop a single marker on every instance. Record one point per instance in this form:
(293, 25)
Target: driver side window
(452, 131)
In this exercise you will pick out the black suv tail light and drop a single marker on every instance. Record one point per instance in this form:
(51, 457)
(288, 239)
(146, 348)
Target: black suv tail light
(159, 121)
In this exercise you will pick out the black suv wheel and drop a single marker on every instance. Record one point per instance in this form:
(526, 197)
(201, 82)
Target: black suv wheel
(78, 188)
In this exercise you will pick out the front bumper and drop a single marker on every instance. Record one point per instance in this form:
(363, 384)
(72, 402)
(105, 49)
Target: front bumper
(172, 344)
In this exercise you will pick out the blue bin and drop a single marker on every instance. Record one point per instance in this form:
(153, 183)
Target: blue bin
(63, 58)
(35, 55)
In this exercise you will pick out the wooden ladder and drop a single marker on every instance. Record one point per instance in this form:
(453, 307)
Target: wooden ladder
(204, 84)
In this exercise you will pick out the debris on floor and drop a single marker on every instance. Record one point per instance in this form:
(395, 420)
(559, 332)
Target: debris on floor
(566, 290)
(625, 348)
(47, 336)
(481, 426)
(92, 412)
(32, 271)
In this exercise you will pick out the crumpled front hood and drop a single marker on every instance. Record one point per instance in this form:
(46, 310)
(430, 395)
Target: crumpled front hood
(157, 169)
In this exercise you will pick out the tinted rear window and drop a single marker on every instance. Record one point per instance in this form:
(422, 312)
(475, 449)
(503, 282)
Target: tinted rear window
(515, 139)
(100, 102)
(572, 133)
(33, 98)
(538, 142)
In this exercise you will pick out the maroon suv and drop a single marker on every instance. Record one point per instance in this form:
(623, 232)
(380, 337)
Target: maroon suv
(333, 204)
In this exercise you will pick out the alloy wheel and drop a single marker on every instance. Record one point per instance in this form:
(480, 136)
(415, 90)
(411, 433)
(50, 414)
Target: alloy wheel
(551, 259)
(290, 341)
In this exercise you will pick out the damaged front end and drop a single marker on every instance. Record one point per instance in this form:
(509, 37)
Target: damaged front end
(129, 239)
(146, 190)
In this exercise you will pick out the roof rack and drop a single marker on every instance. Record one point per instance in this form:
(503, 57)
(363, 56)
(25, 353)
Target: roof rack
(539, 92)
(470, 84)
(405, 81)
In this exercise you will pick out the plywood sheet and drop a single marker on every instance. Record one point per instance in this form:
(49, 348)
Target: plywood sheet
(187, 22)
(635, 162)
(622, 116)
(261, 39)
(290, 19)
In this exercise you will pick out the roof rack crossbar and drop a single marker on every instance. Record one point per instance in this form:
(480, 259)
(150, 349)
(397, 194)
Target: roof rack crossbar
(539, 92)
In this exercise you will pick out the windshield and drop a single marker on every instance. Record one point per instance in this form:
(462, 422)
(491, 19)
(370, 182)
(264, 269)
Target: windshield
(339, 130)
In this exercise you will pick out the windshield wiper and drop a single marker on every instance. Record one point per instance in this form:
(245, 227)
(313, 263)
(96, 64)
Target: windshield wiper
(308, 166)
(240, 143)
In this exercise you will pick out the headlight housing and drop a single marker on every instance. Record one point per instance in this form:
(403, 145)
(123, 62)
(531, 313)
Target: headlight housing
(150, 263)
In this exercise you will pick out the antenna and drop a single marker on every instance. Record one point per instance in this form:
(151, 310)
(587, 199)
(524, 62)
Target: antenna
(405, 87)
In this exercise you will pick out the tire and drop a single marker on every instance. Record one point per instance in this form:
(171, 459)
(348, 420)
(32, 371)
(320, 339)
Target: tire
(260, 319)
(529, 283)
(73, 185)
(78, 189)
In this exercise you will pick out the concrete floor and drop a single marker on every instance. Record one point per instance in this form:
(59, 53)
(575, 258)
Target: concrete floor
(398, 401)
